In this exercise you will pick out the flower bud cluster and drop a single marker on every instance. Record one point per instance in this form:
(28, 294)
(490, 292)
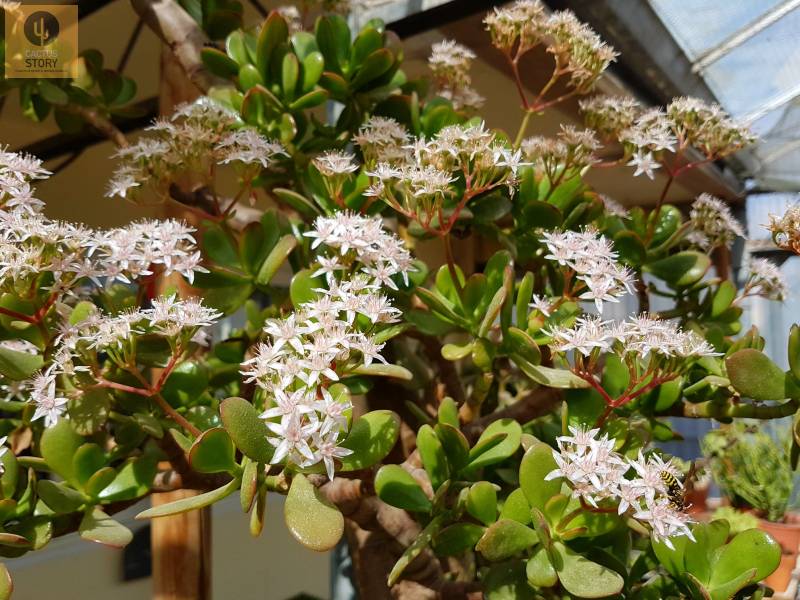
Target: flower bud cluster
(609, 115)
(419, 186)
(785, 229)
(309, 351)
(197, 137)
(707, 127)
(578, 50)
(764, 278)
(596, 473)
(571, 151)
(712, 223)
(450, 63)
(382, 139)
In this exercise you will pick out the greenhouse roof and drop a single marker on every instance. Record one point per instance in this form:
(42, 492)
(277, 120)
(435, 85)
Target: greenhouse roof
(748, 53)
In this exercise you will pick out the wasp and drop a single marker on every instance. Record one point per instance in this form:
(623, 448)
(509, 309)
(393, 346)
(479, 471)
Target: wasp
(677, 492)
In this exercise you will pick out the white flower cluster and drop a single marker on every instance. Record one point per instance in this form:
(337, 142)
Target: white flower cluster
(686, 122)
(382, 139)
(614, 208)
(609, 115)
(641, 336)
(785, 229)
(592, 258)
(197, 137)
(578, 50)
(649, 136)
(180, 321)
(707, 127)
(308, 351)
(417, 186)
(571, 151)
(31, 244)
(764, 278)
(712, 223)
(595, 472)
(450, 63)
(16, 173)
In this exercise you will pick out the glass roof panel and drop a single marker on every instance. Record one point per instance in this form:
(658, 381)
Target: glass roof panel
(757, 79)
(758, 70)
(698, 25)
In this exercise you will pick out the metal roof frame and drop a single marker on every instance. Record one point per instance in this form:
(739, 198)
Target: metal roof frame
(740, 36)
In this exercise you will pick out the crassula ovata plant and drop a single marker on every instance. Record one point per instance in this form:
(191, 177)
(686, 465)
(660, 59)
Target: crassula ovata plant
(493, 424)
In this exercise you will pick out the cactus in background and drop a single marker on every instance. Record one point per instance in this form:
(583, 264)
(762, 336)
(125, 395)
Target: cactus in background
(752, 468)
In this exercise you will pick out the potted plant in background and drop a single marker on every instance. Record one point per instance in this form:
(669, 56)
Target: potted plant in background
(753, 470)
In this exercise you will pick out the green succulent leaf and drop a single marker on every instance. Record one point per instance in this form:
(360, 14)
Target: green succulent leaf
(59, 496)
(433, 456)
(97, 526)
(213, 452)
(246, 429)
(481, 502)
(754, 375)
(540, 570)
(536, 464)
(751, 549)
(681, 269)
(547, 376)
(58, 446)
(457, 539)
(505, 538)
(500, 451)
(371, 438)
(191, 503)
(583, 577)
(311, 518)
(19, 365)
(394, 485)
(275, 259)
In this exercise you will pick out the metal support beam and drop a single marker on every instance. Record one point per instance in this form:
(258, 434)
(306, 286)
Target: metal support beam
(772, 104)
(739, 37)
(781, 150)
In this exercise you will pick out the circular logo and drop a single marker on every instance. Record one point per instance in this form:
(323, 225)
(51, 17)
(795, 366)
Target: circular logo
(41, 28)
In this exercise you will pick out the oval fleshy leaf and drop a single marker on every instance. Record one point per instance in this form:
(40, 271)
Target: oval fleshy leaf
(395, 486)
(97, 526)
(311, 518)
(505, 538)
(371, 438)
(246, 429)
(213, 452)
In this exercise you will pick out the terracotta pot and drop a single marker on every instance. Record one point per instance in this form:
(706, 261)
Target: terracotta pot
(788, 536)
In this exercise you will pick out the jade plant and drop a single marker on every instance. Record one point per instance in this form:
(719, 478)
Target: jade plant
(487, 421)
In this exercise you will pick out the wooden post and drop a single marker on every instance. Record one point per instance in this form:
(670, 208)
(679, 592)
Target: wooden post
(181, 547)
(181, 544)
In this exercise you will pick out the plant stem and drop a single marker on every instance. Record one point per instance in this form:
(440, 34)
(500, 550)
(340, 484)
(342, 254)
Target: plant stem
(522, 128)
(451, 264)
(164, 405)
